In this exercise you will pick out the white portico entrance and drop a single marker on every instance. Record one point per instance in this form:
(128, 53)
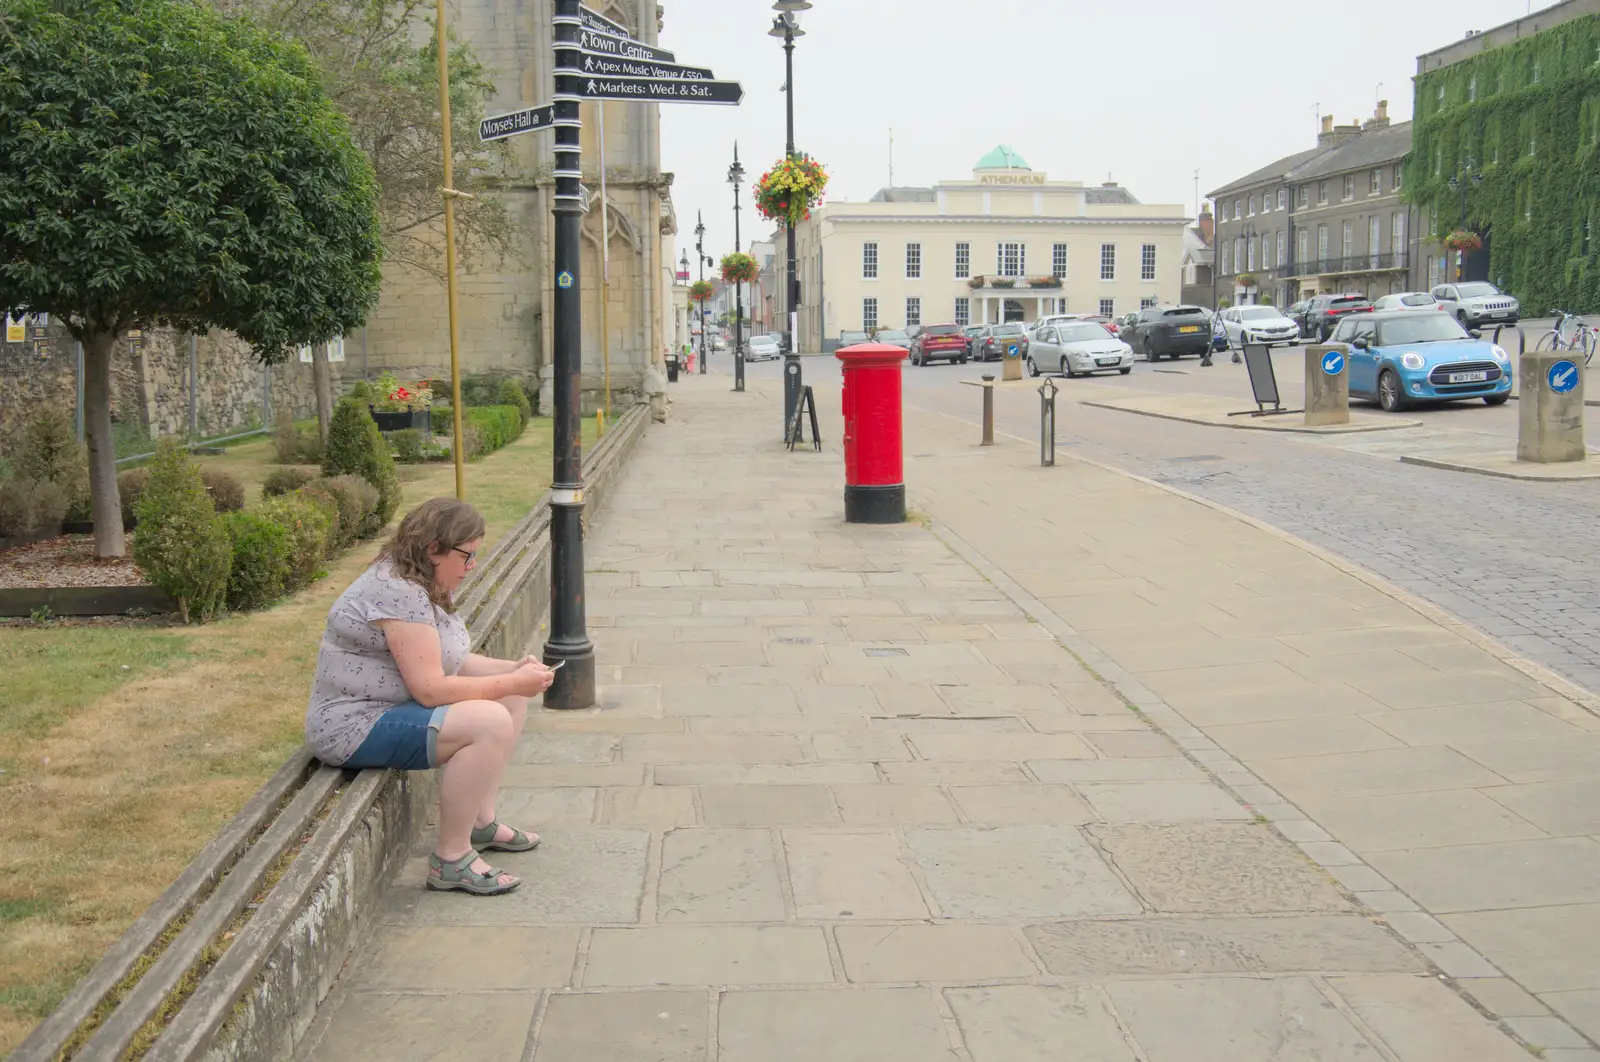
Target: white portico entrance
(1008, 304)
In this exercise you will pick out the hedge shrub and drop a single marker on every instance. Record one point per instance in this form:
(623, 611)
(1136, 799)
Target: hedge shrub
(261, 552)
(31, 506)
(512, 394)
(130, 487)
(296, 443)
(227, 493)
(181, 544)
(357, 447)
(286, 479)
(306, 523)
(407, 444)
(354, 501)
(496, 426)
(47, 449)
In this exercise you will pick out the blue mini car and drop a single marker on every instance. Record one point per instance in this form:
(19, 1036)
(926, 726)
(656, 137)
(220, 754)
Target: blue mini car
(1407, 357)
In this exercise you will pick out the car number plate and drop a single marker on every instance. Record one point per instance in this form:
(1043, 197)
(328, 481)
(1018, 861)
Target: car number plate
(1108, 361)
(1468, 377)
(1190, 328)
(1498, 313)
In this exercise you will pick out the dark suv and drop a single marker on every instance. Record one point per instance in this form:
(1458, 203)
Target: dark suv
(990, 344)
(1168, 331)
(938, 342)
(1324, 312)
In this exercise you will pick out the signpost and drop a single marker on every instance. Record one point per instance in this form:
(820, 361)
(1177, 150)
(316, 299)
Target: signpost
(606, 66)
(621, 47)
(597, 59)
(524, 121)
(1333, 362)
(598, 22)
(661, 90)
(1563, 376)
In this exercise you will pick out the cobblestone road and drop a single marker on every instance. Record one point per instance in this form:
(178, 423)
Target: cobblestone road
(1519, 560)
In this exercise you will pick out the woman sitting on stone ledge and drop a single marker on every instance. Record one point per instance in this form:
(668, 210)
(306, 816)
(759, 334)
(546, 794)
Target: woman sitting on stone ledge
(397, 687)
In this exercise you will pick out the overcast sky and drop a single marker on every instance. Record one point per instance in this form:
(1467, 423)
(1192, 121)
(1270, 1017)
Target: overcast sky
(1145, 91)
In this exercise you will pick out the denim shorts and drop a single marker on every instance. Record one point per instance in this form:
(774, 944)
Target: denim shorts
(405, 738)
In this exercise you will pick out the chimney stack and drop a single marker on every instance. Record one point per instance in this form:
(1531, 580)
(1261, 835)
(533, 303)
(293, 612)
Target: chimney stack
(1380, 117)
(1327, 123)
(1206, 224)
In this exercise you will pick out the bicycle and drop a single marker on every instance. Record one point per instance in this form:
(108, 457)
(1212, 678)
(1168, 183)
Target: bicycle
(1582, 338)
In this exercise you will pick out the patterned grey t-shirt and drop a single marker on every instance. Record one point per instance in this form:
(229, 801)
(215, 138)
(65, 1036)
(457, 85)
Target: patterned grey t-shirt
(357, 678)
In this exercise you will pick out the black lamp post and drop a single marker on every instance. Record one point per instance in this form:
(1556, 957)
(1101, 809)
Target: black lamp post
(568, 644)
(786, 27)
(700, 307)
(736, 178)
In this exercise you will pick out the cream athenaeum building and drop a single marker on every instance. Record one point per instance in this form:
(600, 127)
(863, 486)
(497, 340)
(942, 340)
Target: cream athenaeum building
(1007, 244)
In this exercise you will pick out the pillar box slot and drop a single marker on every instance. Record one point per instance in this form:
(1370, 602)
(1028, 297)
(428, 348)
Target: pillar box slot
(874, 449)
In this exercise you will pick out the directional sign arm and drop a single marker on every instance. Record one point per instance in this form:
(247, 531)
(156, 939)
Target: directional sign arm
(661, 90)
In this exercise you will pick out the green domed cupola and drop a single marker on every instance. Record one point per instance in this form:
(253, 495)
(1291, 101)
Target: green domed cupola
(1003, 157)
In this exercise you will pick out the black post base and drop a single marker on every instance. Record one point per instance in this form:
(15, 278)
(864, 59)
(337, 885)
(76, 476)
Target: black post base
(574, 685)
(875, 505)
(791, 389)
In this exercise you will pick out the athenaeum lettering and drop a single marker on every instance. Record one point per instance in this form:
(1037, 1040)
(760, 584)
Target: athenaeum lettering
(1012, 178)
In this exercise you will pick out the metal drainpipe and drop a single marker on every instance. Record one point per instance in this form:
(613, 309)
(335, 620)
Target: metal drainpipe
(194, 386)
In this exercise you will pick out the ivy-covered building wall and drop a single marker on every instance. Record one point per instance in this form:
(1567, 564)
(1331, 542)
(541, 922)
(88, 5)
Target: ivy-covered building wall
(1518, 127)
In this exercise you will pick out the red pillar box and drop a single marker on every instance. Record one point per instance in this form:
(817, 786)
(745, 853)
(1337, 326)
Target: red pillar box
(874, 454)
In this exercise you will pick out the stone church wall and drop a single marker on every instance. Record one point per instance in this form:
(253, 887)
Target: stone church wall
(150, 383)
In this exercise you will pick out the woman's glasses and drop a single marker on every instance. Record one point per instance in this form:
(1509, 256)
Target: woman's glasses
(464, 553)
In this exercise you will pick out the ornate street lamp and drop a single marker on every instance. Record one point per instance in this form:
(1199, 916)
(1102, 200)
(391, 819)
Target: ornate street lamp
(736, 178)
(700, 308)
(786, 27)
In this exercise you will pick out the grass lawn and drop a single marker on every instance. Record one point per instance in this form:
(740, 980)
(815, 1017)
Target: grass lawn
(123, 749)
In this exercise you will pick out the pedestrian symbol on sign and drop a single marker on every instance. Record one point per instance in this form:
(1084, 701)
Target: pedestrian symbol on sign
(1563, 376)
(1333, 362)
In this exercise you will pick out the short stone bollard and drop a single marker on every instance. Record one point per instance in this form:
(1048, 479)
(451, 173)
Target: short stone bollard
(1550, 413)
(1327, 384)
(988, 410)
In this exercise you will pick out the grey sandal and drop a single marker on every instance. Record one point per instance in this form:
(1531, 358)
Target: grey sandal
(483, 839)
(459, 874)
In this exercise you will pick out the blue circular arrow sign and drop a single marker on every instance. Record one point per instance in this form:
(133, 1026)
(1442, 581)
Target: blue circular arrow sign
(1563, 376)
(1333, 363)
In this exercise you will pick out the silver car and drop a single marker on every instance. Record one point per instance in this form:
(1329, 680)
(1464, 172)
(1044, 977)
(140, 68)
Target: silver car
(763, 348)
(1077, 348)
(1407, 300)
(1477, 302)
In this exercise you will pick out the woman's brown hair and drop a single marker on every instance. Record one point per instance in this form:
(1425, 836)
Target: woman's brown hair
(441, 523)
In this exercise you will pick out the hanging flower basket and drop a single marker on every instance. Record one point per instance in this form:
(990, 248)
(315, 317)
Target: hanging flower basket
(1247, 280)
(787, 192)
(739, 268)
(1003, 282)
(1464, 240)
(701, 291)
(1045, 282)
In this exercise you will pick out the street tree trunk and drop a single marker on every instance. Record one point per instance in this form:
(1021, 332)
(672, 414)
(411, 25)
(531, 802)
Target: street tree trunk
(322, 383)
(105, 503)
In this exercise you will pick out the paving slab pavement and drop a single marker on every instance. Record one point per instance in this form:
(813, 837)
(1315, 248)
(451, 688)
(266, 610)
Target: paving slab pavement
(861, 793)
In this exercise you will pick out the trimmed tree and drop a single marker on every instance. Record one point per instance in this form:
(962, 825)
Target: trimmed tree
(161, 163)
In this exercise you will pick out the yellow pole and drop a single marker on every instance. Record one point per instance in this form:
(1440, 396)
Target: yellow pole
(449, 192)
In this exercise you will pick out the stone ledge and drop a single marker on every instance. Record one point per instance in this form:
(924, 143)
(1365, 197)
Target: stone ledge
(1214, 412)
(1506, 466)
